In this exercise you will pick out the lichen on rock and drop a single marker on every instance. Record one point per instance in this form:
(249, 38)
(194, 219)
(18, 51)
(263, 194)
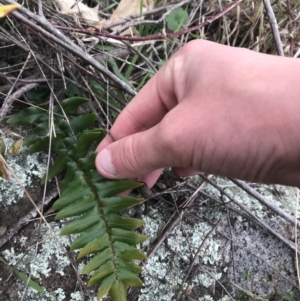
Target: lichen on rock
(25, 166)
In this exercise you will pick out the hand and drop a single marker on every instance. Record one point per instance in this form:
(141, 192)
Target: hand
(213, 108)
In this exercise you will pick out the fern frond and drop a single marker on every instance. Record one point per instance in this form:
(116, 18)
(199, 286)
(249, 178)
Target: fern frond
(89, 199)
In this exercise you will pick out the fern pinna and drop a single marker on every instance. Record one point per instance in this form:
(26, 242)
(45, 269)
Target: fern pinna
(88, 197)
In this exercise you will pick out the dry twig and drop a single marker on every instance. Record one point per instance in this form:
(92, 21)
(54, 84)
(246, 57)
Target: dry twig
(272, 206)
(274, 26)
(47, 30)
(258, 221)
(9, 99)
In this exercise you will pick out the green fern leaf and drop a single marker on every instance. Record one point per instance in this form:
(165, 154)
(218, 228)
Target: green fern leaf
(129, 278)
(29, 116)
(117, 221)
(97, 260)
(118, 291)
(101, 273)
(79, 206)
(86, 237)
(105, 286)
(97, 245)
(58, 167)
(89, 198)
(128, 237)
(85, 141)
(42, 143)
(128, 252)
(71, 105)
(82, 122)
(39, 131)
(102, 231)
(116, 204)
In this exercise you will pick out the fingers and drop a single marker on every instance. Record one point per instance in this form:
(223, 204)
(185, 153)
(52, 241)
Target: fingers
(124, 151)
(144, 111)
(134, 156)
(151, 104)
(151, 178)
(135, 151)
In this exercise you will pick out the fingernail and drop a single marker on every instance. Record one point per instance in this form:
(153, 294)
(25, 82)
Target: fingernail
(104, 163)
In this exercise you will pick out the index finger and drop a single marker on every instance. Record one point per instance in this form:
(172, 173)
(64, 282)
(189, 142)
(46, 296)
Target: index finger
(147, 108)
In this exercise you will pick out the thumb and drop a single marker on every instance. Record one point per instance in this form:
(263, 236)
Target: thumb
(133, 156)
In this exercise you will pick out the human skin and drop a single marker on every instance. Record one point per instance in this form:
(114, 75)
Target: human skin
(212, 108)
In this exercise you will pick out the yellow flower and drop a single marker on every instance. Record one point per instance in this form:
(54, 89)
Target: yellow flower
(6, 9)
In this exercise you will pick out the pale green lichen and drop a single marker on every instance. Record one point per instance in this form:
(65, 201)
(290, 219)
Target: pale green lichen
(32, 295)
(206, 298)
(57, 295)
(25, 166)
(163, 273)
(38, 264)
(207, 279)
(23, 240)
(77, 296)
(286, 197)
(225, 298)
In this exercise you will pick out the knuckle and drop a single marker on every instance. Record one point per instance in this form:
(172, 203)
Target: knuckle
(195, 47)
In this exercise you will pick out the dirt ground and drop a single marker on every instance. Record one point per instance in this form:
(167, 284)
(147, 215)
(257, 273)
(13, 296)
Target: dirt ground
(211, 254)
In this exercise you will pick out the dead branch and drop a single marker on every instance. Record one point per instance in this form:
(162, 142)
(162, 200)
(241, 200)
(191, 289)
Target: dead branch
(10, 99)
(46, 29)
